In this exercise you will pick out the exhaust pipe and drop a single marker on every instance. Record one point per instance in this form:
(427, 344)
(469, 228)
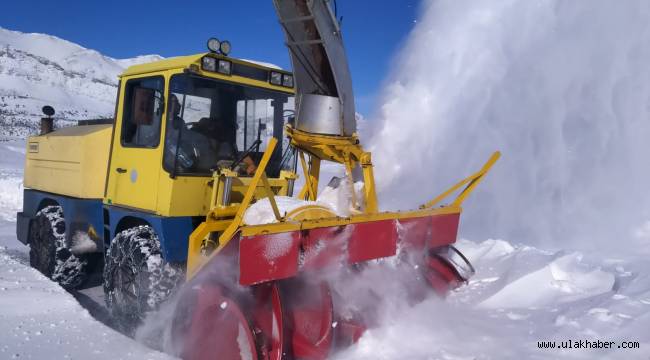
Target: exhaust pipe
(47, 122)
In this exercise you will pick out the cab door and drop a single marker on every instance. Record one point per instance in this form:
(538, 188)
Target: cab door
(137, 147)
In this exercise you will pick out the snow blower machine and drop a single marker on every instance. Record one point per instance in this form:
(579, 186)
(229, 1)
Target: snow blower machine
(191, 186)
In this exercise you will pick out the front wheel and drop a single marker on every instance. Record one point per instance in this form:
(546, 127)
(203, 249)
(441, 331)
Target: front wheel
(136, 278)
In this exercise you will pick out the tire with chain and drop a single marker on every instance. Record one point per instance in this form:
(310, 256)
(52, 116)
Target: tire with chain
(50, 254)
(136, 277)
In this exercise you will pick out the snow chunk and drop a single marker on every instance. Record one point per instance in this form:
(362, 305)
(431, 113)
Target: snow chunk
(563, 280)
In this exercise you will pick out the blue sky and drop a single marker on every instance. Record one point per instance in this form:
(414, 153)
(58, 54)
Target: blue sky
(373, 30)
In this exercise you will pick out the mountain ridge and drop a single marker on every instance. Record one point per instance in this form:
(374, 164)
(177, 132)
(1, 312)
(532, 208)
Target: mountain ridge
(40, 69)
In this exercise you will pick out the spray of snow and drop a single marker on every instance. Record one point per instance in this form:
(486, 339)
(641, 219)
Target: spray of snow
(560, 87)
(82, 243)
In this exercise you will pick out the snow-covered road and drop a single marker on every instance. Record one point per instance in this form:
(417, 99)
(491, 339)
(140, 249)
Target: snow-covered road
(38, 319)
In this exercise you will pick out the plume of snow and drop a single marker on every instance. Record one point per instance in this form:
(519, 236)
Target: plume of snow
(562, 88)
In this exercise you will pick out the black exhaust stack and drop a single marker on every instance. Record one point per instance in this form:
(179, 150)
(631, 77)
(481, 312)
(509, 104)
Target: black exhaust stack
(47, 122)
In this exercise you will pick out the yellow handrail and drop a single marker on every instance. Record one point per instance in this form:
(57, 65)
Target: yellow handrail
(473, 180)
(232, 229)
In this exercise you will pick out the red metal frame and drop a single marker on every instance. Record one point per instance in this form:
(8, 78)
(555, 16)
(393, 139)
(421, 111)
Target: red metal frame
(271, 257)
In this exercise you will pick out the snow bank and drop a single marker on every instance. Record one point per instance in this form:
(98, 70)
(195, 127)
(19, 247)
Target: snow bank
(520, 295)
(41, 320)
(38, 319)
(564, 279)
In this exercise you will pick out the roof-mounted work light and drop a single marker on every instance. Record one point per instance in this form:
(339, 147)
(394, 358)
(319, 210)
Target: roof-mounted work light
(219, 47)
(214, 45)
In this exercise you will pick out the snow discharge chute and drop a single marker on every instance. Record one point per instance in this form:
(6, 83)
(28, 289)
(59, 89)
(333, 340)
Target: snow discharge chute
(325, 101)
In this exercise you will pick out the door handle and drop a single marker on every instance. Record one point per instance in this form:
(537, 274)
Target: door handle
(120, 170)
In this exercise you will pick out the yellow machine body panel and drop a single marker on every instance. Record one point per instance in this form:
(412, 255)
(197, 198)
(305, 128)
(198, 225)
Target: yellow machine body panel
(70, 161)
(183, 196)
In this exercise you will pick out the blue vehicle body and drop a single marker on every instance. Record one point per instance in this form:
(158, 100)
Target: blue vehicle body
(101, 222)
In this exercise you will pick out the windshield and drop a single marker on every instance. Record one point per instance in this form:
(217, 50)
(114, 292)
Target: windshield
(212, 124)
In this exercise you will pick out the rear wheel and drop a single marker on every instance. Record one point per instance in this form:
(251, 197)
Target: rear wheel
(136, 278)
(50, 254)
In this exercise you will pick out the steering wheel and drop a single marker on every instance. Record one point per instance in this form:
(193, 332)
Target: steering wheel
(246, 153)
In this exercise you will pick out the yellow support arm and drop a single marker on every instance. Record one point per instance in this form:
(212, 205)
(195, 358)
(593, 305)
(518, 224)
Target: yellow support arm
(194, 261)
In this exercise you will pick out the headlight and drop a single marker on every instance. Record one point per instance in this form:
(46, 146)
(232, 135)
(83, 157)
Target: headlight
(287, 80)
(209, 63)
(214, 44)
(225, 47)
(225, 67)
(275, 78)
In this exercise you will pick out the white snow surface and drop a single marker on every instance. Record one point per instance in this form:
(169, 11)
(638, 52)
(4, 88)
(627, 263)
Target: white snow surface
(40, 320)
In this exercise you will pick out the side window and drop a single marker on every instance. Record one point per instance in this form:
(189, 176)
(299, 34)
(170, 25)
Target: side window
(143, 104)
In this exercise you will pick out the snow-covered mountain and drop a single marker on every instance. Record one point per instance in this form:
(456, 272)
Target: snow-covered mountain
(39, 69)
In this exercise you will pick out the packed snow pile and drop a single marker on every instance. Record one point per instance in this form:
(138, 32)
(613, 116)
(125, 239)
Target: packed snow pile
(336, 198)
(261, 212)
(39, 69)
